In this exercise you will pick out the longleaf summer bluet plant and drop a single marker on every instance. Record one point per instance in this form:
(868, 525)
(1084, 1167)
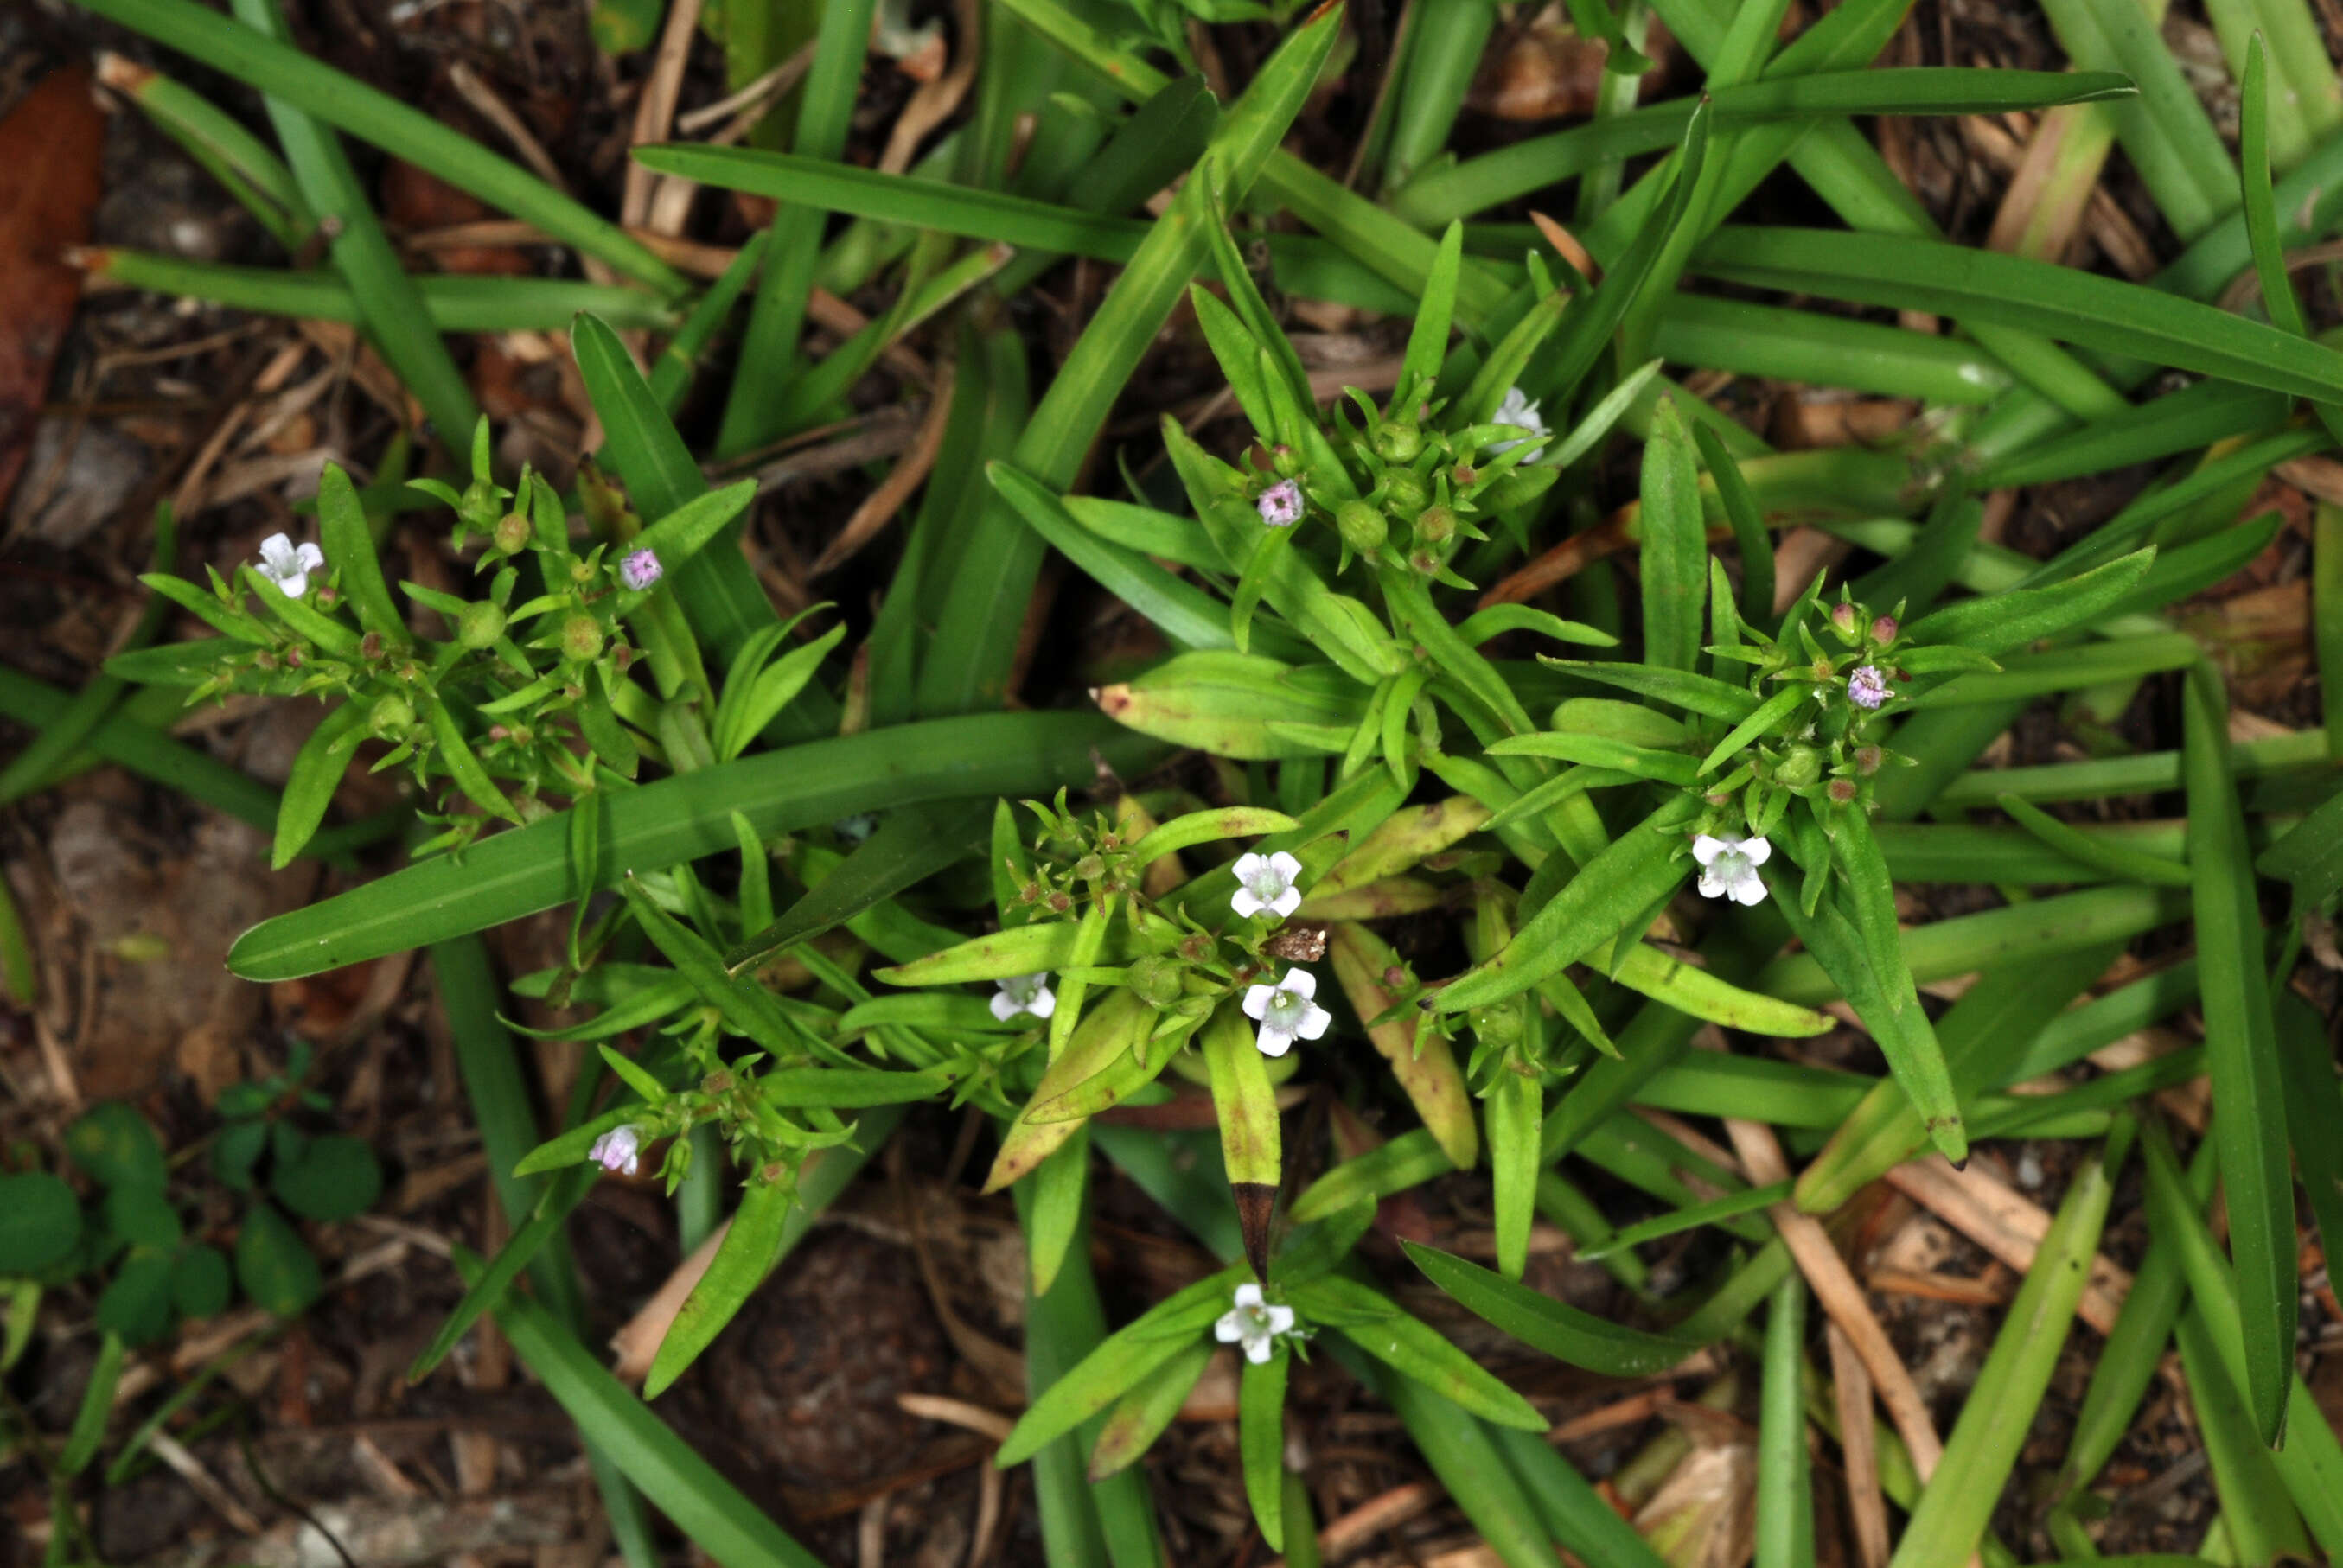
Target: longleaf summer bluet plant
(1374, 833)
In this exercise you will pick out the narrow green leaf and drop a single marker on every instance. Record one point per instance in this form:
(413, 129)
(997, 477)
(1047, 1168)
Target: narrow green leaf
(2242, 1048)
(1560, 1329)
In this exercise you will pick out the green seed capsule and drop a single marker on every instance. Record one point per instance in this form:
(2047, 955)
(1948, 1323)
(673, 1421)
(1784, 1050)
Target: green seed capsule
(1361, 527)
(1396, 442)
(1155, 980)
(479, 626)
(390, 718)
(581, 638)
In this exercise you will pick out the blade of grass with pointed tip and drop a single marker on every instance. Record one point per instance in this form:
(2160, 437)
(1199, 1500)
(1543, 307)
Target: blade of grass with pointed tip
(681, 819)
(1491, 179)
(2242, 1041)
(1562, 1330)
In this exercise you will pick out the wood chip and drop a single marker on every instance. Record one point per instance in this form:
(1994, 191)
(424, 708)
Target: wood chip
(2007, 1224)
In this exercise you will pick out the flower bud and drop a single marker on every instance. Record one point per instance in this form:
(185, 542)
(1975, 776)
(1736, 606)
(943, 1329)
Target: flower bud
(1435, 526)
(581, 638)
(1842, 619)
(1868, 759)
(1404, 496)
(1840, 790)
(390, 718)
(1361, 527)
(1884, 630)
(479, 506)
(511, 533)
(370, 647)
(1196, 948)
(1397, 442)
(479, 626)
(1089, 867)
(1155, 981)
(1800, 767)
(1060, 903)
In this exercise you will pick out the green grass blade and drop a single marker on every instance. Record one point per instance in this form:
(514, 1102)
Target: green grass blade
(706, 1507)
(754, 412)
(1554, 1327)
(1983, 1449)
(2120, 1377)
(2311, 1461)
(2242, 1041)
(450, 302)
(672, 371)
(1463, 1454)
(911, 846)
(1785, 1502)
(271, 66)
(682, 818)
(1983, 285)
(386, 297)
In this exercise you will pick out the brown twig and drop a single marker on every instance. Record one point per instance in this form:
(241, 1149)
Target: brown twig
(1858, 1442)
(879, 508)
(1835, 1286)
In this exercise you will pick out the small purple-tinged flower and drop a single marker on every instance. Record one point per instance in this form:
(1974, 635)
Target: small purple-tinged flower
(618, 1151)
(1867, 688)
(640, 569)
(1281, 504)
(1884, 630)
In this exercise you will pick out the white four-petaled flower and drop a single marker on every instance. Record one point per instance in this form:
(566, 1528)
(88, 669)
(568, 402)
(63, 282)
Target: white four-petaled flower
(1266, 882)
(1024, 993)
(1728, 867)
(1521, 411)
(287, 567)
(1254, 1323)
(1281, 505)
(1285, 1011)
(1867, 688)
(618, 1151)
(640, 568)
